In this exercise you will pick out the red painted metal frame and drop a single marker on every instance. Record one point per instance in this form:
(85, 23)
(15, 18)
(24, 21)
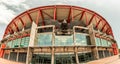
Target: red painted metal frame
(23, 23)
(55, 13)
(29, 17)
(47, 14)
(38, 16)
(77, 15)
(103, 27)
(97, 24)
(43, 23)
(91, 19)
(69, 15)
(16, 26)
(82, 15)
(54, 7)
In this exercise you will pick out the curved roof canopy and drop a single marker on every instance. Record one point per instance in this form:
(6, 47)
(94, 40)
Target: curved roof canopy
(58, 12)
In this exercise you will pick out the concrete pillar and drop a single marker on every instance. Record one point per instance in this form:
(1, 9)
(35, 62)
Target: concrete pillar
(109, 53)
(92, 39)
(31, 42)
(52, 56)
(32, 34)
(103, 53)
(53, 43)
(29, 56)
(76, 56)
(9, 56)
(17, 56)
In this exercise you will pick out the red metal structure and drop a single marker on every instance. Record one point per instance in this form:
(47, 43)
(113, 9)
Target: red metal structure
(72, 13)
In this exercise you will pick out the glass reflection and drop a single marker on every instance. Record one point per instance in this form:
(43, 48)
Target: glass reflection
(65, 58)
(45, 39)
(80, 39)
(64, 40)
(98, 43)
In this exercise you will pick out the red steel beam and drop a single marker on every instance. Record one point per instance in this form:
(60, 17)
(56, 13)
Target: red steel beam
(43, 23)
(91, 19)
(8, 30)
(55, 13)
(11, 29)
(86, 19)
(47, 14)
(38, 16)
(68, 20)
(16, 26)
(77, 15)
(23, 23)
(72, 13)
(107, 30)
(82, 15)
(29, 17)
(103, 27)
(97, 24)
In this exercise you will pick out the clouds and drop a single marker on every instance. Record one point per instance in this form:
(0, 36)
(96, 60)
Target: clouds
(5, 14)
(10, 8)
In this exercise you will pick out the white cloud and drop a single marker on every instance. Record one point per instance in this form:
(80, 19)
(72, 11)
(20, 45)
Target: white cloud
(13, 2)
(10, 8)
(5, 14)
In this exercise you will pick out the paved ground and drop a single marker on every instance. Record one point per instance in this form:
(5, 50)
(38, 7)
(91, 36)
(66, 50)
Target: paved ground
(3, 61)
(108, 60)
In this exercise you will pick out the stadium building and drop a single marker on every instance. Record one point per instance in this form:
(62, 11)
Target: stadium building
(58, 34)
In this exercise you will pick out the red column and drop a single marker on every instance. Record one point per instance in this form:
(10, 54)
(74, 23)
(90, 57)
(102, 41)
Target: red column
(115, 51)
(1, 50)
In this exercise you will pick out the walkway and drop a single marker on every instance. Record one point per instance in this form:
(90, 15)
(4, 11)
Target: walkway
(108, 60)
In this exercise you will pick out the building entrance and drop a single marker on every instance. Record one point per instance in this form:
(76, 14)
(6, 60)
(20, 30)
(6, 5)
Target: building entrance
(41, 59)
(64, 59)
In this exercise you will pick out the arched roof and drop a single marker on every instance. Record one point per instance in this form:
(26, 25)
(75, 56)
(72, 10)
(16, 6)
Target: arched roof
(58, 12)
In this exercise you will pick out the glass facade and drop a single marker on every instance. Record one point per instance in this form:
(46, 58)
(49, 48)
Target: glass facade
(102, 42)
(24, 42)
(64, 40)
(85, 57)
(65, 59)
(41, 59)
(109, 43)
(16, 43)
(9, 44)
(44, 39)
(98, 42)
(80, 39)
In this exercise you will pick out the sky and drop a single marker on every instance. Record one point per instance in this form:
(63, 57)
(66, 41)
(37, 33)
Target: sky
(109, 9)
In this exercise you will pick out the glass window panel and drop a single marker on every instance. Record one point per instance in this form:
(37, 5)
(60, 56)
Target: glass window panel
(109, 43)
(98, 43)
(13, 44)
(104, 42)
(45, 39)
(64, 40)
(65, 58)
(16, 43)
(85, 57)
(41, 59)
(80, 39)
(24, 42)
(9, 44)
